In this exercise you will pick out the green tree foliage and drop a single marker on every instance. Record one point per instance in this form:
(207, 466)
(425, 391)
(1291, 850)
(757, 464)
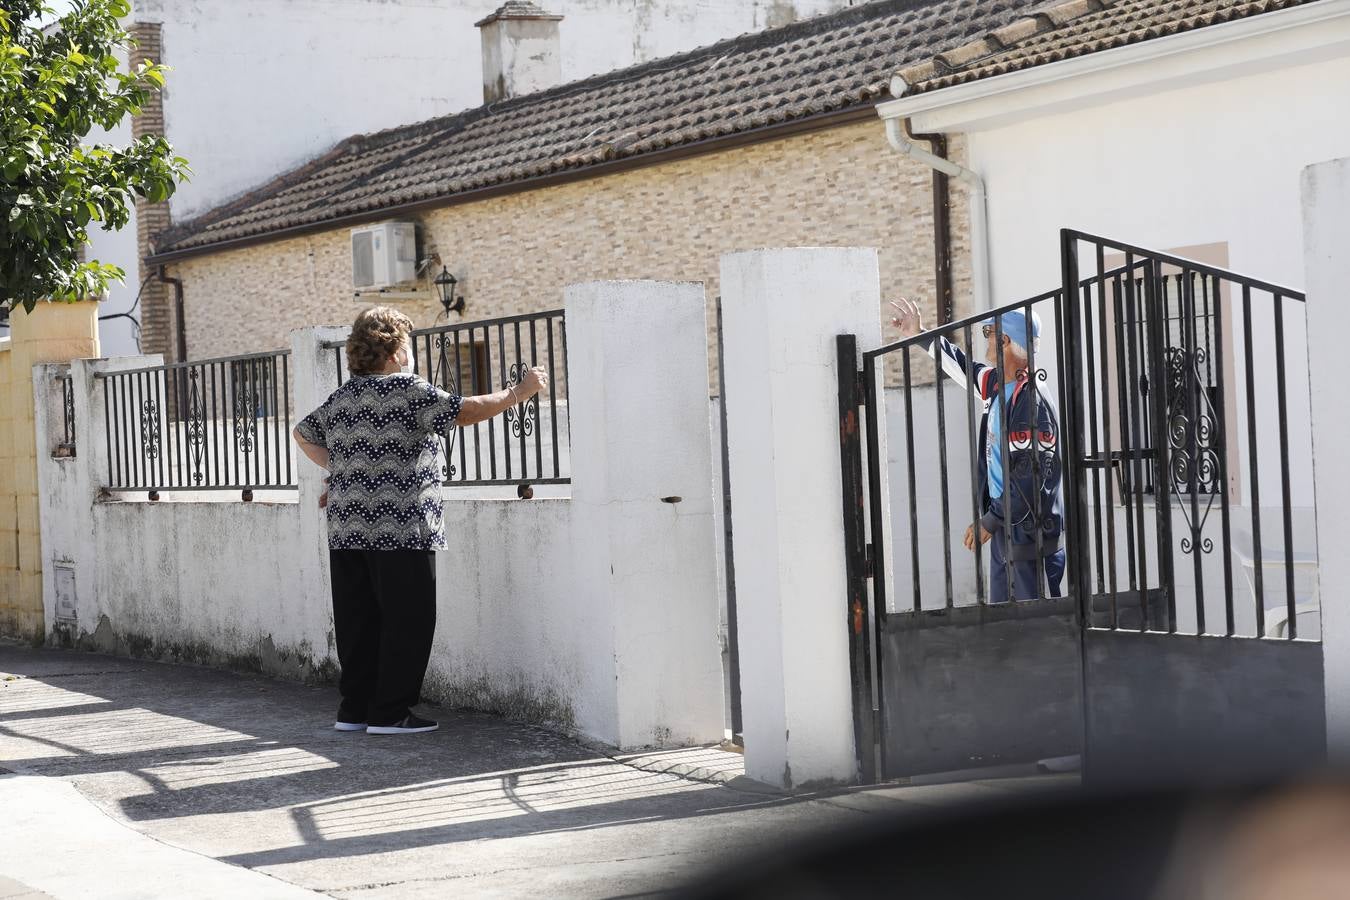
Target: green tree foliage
(57, 82)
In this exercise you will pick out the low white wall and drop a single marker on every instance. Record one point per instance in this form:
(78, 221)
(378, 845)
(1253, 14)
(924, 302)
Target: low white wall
(623, 649)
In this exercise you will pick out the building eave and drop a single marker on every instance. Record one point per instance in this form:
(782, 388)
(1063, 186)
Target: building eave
(1301, 35)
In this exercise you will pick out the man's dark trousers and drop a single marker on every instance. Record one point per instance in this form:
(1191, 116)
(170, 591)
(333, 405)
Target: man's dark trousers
(384, 616)
(1024, 574)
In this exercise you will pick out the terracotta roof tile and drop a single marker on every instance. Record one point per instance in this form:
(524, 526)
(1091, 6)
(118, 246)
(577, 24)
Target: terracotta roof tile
(1064, 30)
(821, 65)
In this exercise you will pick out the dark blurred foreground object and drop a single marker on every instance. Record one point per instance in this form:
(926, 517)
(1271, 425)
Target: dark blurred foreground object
(1276, 841)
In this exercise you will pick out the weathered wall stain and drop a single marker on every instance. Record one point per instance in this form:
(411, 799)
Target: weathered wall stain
(296, 663)
(518, 701)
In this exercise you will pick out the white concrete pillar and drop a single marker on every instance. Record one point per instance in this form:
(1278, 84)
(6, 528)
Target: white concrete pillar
(69, 487)
(314, 375)
(642, 495)
(1326, 235)
(781, 312)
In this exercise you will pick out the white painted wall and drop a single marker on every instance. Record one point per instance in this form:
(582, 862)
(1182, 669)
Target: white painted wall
(597, 613)
(258, 87)
(116, 336)
(1174, 169)
(261, 86)
(1165, 153)
(1326, 221)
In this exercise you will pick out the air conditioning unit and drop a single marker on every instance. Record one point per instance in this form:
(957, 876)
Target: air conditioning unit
(384, 255)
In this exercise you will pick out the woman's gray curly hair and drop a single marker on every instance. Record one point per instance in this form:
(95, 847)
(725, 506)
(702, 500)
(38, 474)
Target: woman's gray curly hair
(376, 335)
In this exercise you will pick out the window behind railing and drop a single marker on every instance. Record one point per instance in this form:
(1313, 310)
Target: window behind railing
(1189, 339)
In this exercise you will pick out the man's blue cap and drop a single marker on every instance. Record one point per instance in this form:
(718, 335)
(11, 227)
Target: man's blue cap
(1015, 326)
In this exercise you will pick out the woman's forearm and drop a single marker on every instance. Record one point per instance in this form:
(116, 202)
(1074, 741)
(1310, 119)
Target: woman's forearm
(473, 410)
(318, 455)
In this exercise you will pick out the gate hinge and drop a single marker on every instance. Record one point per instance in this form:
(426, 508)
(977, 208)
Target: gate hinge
(859, 390)
(869, 570)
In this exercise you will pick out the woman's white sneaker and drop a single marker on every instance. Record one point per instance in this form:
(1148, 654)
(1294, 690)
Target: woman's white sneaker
(340, 725)
(411, 724)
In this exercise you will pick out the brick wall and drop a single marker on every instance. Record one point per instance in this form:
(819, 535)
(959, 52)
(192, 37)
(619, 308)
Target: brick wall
(843, 186)
(53, 332)
(157, 315)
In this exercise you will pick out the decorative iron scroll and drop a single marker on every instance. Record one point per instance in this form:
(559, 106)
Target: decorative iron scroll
(1191, 440)
(446, 379)
(68, 409)
(150, 429)
(523, 416)
(196, 426)
(246, 419)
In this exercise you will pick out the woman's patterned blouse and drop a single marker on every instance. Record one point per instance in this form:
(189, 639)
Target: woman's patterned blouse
(381, 433)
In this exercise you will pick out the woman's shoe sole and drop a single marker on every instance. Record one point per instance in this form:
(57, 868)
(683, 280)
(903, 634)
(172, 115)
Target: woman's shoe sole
(349, 726)
(395, 729)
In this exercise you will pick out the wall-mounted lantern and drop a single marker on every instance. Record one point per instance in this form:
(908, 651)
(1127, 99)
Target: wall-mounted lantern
(445, 287)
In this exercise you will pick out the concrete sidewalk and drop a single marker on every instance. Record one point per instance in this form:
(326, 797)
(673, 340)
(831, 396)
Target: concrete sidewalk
(190, 781)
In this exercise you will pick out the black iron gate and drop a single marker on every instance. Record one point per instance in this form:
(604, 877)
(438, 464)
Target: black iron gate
(1157, 406)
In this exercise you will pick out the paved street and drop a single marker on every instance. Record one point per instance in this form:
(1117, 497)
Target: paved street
(238, 785)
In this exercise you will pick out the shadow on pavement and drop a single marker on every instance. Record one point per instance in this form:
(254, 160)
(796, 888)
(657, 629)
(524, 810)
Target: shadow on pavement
(257, 767)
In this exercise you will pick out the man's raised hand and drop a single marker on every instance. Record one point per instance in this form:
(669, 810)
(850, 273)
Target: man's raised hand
(908, 318)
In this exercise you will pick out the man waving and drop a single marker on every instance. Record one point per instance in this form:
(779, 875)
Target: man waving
(1020, 496)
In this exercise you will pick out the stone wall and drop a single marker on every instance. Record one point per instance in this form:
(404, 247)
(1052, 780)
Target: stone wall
(837, 187)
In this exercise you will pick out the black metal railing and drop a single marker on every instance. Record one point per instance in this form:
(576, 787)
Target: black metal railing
(1184, 403)
(1156, 371)
(529, 444)
(211, 425)
(66, 446)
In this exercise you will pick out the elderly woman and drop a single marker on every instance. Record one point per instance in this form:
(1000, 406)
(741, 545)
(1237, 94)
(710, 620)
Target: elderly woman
(376, 434)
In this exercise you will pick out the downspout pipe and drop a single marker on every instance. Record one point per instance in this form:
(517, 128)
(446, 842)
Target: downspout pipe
(179, 320)
(942, 226)
(896, 129)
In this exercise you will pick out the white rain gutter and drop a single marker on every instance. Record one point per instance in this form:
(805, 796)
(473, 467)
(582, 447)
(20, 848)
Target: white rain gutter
(979, 212)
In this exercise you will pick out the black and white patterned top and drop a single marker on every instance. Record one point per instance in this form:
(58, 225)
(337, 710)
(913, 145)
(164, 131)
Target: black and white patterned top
(385, 488)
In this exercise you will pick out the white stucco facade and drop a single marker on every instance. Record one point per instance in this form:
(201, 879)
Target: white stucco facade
(117, 337)
(259, 87)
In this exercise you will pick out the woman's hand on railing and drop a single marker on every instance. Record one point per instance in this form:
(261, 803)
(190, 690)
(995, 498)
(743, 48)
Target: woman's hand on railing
(534, 382)
(323, 498)
(473, 410)
(908, 317)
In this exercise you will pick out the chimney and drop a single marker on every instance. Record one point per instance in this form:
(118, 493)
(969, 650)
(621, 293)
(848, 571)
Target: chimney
(520, 51)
